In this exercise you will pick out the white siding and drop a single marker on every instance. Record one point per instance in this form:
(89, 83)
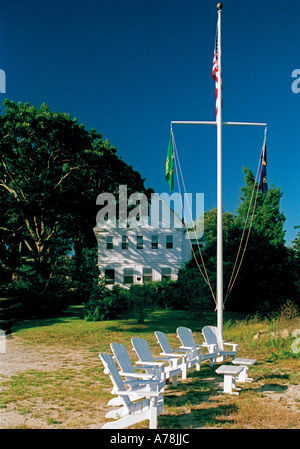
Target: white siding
(162, 257)
(137, 259)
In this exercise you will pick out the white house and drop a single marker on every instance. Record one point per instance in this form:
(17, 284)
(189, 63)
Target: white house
(136, 255)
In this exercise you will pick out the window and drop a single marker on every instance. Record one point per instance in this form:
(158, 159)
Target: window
(169, 242)
(154, 243)
(124, 242)
(147, 275)
(128, 276)
(166, 273)
(139, 242)
(109, 276)
(109, 242)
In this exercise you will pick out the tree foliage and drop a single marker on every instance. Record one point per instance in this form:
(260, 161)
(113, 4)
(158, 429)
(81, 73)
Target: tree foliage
(268, 220)
(265, 274)
(51, 171)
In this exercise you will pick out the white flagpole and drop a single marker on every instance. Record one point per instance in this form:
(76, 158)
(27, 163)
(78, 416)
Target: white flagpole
(219, 125)
(219, 185)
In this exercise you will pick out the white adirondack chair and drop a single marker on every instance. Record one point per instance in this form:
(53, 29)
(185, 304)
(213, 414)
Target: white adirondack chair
(171, 370)
(188, 358)
(148, 405)
(213, 336)
(130, 372)
(186, 337)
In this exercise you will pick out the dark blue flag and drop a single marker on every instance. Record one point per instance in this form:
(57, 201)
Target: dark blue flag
(263, 186)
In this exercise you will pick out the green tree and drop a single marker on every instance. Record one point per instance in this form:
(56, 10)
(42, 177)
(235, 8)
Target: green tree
(266, 277)
(263, 276)
(51, 171)
(267, 219)
(296, 242)
(210, 224)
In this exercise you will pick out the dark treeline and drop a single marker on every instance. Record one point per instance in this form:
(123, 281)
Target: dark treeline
(52, 170)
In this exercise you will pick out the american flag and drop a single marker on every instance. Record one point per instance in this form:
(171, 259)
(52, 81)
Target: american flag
(215, 70)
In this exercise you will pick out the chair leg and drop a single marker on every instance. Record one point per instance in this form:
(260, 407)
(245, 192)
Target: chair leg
(174, 381)
(213, 361)
(184, 371)
(153, 413)
(199, 359)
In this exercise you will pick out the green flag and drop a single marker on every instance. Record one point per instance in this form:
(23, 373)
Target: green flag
(170, 165)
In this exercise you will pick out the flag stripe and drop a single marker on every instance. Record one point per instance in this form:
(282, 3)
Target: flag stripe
(215, 69)
(216, 72)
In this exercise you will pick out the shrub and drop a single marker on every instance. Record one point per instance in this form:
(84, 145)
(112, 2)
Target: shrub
(104, 304)
(40, 294)
(142, 299)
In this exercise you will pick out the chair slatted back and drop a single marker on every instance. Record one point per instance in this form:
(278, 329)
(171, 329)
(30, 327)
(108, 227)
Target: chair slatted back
(186, 337)
(212, 335)
(164, 342)
(121, 354)
(142, 349)
(111, 369)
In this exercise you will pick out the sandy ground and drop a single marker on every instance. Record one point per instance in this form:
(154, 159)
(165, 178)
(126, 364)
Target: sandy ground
(20, 357)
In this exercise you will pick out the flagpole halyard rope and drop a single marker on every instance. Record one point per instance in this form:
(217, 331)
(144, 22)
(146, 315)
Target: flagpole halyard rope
(231, 283)
(177, 162)
(255, 186)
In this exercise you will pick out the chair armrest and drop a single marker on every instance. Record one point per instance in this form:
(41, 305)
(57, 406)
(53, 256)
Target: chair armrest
(137, 375)
(150, 363)
(141, 382)
(234, 345)
(211, 346)
(143, 368)
(171, 355)
(164, 358)
(139, 394)
(188, 348)
(177, 350)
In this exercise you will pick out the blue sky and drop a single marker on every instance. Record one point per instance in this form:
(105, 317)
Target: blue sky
(130, 67)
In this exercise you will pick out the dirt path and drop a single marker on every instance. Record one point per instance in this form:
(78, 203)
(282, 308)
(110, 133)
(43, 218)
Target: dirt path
(20, 357)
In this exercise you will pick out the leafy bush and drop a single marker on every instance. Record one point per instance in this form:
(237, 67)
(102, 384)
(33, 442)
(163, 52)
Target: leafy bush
(142, 299)
(104, 304)
(40, 294)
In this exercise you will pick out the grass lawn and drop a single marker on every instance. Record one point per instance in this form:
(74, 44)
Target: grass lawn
(56, 378)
